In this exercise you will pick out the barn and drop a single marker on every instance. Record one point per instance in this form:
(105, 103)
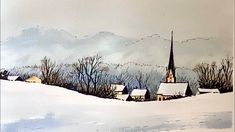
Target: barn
(34, 79)
(168, 91)
(140, 95)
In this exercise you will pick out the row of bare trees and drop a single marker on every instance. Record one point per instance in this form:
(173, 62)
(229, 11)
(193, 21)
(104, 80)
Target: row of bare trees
(216, 76)
(91, 76)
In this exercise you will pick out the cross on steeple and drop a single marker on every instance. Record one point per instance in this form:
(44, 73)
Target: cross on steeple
(170, 75)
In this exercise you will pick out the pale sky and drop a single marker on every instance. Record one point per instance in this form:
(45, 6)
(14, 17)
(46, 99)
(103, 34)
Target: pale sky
(129, 18)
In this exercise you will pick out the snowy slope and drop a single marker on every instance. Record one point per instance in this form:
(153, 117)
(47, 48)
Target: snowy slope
(41, 108)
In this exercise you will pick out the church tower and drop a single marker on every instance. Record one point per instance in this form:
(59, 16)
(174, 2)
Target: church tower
(170, 73)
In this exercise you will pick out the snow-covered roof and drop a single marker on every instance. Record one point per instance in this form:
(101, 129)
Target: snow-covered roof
(138, 92)
(117, 87)
(206, 90)
(122, 96)
(172, 89)
(12, 78)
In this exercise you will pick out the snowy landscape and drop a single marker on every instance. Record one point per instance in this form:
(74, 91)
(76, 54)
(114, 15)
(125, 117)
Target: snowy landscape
(117, 66)
(27, 107)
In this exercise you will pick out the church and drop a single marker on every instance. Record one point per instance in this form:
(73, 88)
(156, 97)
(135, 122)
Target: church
(171, 89)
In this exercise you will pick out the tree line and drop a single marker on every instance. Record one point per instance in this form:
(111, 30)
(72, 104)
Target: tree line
(91, 76)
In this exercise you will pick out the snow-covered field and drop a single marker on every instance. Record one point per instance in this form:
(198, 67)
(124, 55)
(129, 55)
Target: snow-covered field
(29, 107)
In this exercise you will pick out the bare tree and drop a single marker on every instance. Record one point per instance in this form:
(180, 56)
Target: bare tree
(212, 76)
(208, 75)
(227, 68)
(121, 77)
(50, 71)
(104, 87)
(87, 71)
(142, 79)
(92, 76)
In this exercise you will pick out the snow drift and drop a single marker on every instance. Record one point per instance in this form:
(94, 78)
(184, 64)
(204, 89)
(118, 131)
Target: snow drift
(37, 107)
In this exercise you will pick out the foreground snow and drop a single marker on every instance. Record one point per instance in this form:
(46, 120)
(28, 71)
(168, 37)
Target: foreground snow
(36, 107)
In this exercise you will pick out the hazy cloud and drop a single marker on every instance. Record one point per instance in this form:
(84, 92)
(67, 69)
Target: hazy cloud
(131, 18)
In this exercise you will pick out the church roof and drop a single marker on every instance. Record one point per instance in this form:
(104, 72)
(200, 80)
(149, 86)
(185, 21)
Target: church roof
(173, 89)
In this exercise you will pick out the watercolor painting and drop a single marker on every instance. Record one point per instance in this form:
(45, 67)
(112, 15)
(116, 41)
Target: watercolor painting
(117, 65)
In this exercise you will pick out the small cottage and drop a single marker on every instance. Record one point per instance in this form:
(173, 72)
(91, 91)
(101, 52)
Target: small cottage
(119, 89)
(121, 92)
(206, 90)
(14, 78)
(140, 95)
(34, 79)
(168, 91)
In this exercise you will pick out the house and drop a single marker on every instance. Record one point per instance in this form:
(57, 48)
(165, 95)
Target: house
(121, 92)
(173, 90)
(14, 78)
(119, 89)
(206, 90)
(140, 95)
(124, 97)
(34, 79)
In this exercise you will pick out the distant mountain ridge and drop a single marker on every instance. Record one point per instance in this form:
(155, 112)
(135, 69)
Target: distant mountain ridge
(29, 47)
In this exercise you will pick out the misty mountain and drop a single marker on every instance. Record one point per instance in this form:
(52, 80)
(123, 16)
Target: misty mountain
(32, 44)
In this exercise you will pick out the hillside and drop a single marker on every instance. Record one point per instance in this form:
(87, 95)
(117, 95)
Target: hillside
(37, 107)
(32, 44)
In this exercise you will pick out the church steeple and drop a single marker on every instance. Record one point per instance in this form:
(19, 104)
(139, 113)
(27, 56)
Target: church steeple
(170, 75)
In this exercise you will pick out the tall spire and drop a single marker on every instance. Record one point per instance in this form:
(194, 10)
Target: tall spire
(171, 64)
(170, 77)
